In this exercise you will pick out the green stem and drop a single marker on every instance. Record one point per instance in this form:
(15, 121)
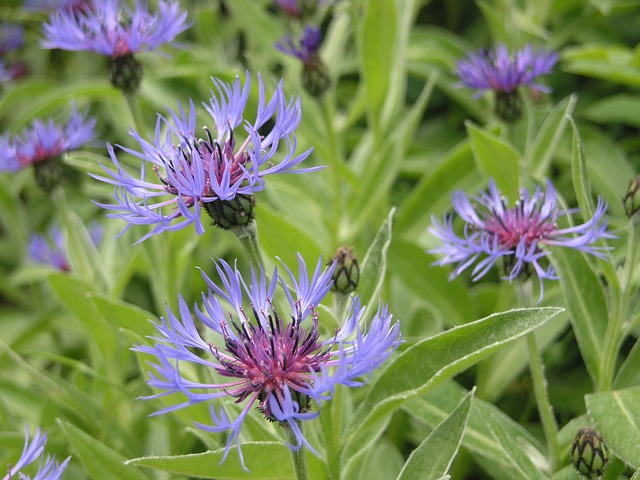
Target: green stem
(249, 238)
(333, 158)
(615, 325)
(524, 292)
(136, 111)
(298, 457)
(545, 409)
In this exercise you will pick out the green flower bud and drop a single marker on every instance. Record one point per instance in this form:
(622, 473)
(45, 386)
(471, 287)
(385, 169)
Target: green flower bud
(53, 172)
(231, 214)
(347, 272)
(125, 73)
(509, 106)
(315, 77)
(631, 200)
(589, 453)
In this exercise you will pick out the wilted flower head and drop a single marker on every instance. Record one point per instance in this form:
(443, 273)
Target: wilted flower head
(42, 144)
(52, 251)
(278, 365)
(504, 73)
(49, 469)
(517, 235)
(197, 172)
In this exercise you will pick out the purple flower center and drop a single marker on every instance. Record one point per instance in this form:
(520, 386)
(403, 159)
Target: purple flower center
(269, 356)
(213, 160)
(515, 226)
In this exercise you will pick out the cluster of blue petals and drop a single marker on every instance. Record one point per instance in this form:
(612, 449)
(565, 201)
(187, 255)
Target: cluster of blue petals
(193, 171)
(49, 469)
(114, 29)
(264, 362)
(500, 71)
(518, 235)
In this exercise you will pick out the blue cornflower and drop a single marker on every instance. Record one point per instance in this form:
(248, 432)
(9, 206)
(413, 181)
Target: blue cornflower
(502, 72)
(54, 252)
(517, 235)
(198, 172)
(315, 77)
(309, 45)
(11, 37)
(49, 469)
(42, 145)
(113, 29)
(278, 365)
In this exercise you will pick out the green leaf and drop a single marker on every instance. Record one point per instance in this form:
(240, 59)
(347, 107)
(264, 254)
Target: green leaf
(586, 304)
(495, 159)
(449, 299)
(515, 452)
(620, 108)
(546, 141)
(579, 173)
(433, 360)
(455, 170)
(434, 406)
(616, 414)
(374, 264)
(613, 63)
(432, 459)
(265, 460)
(379, 30)
(381, 462)
(100, 461)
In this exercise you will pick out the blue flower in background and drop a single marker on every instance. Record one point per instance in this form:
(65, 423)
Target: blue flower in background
(308, 46)
(501, 71)
(11, 37)
(517, 235)
(196, 172)
(54, 252)
(49, 469)
(114, 29)
(45, 140)
(275, 360)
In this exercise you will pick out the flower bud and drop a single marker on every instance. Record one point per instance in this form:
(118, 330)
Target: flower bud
(509, 106)
(589, 453)
(231, 214)
(315, 76)
(125, 73)
(631, 200)
(347, 272)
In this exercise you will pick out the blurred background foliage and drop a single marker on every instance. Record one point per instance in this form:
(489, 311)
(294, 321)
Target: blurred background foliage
(395, 131)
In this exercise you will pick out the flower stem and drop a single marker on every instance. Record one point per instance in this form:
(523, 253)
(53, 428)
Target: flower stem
(136, 111)
(248, 236)
(545, 410)
(619, 312)
(298, 457)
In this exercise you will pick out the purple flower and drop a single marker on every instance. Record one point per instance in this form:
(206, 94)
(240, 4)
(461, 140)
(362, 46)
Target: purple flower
(517, 235)
(11, 37)
(113, 29)
(195, 172)
(54, 253)
(501, 72)
(298, 8)
(45, 140)
(278, 365)
(49, 469)
(308, 47)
